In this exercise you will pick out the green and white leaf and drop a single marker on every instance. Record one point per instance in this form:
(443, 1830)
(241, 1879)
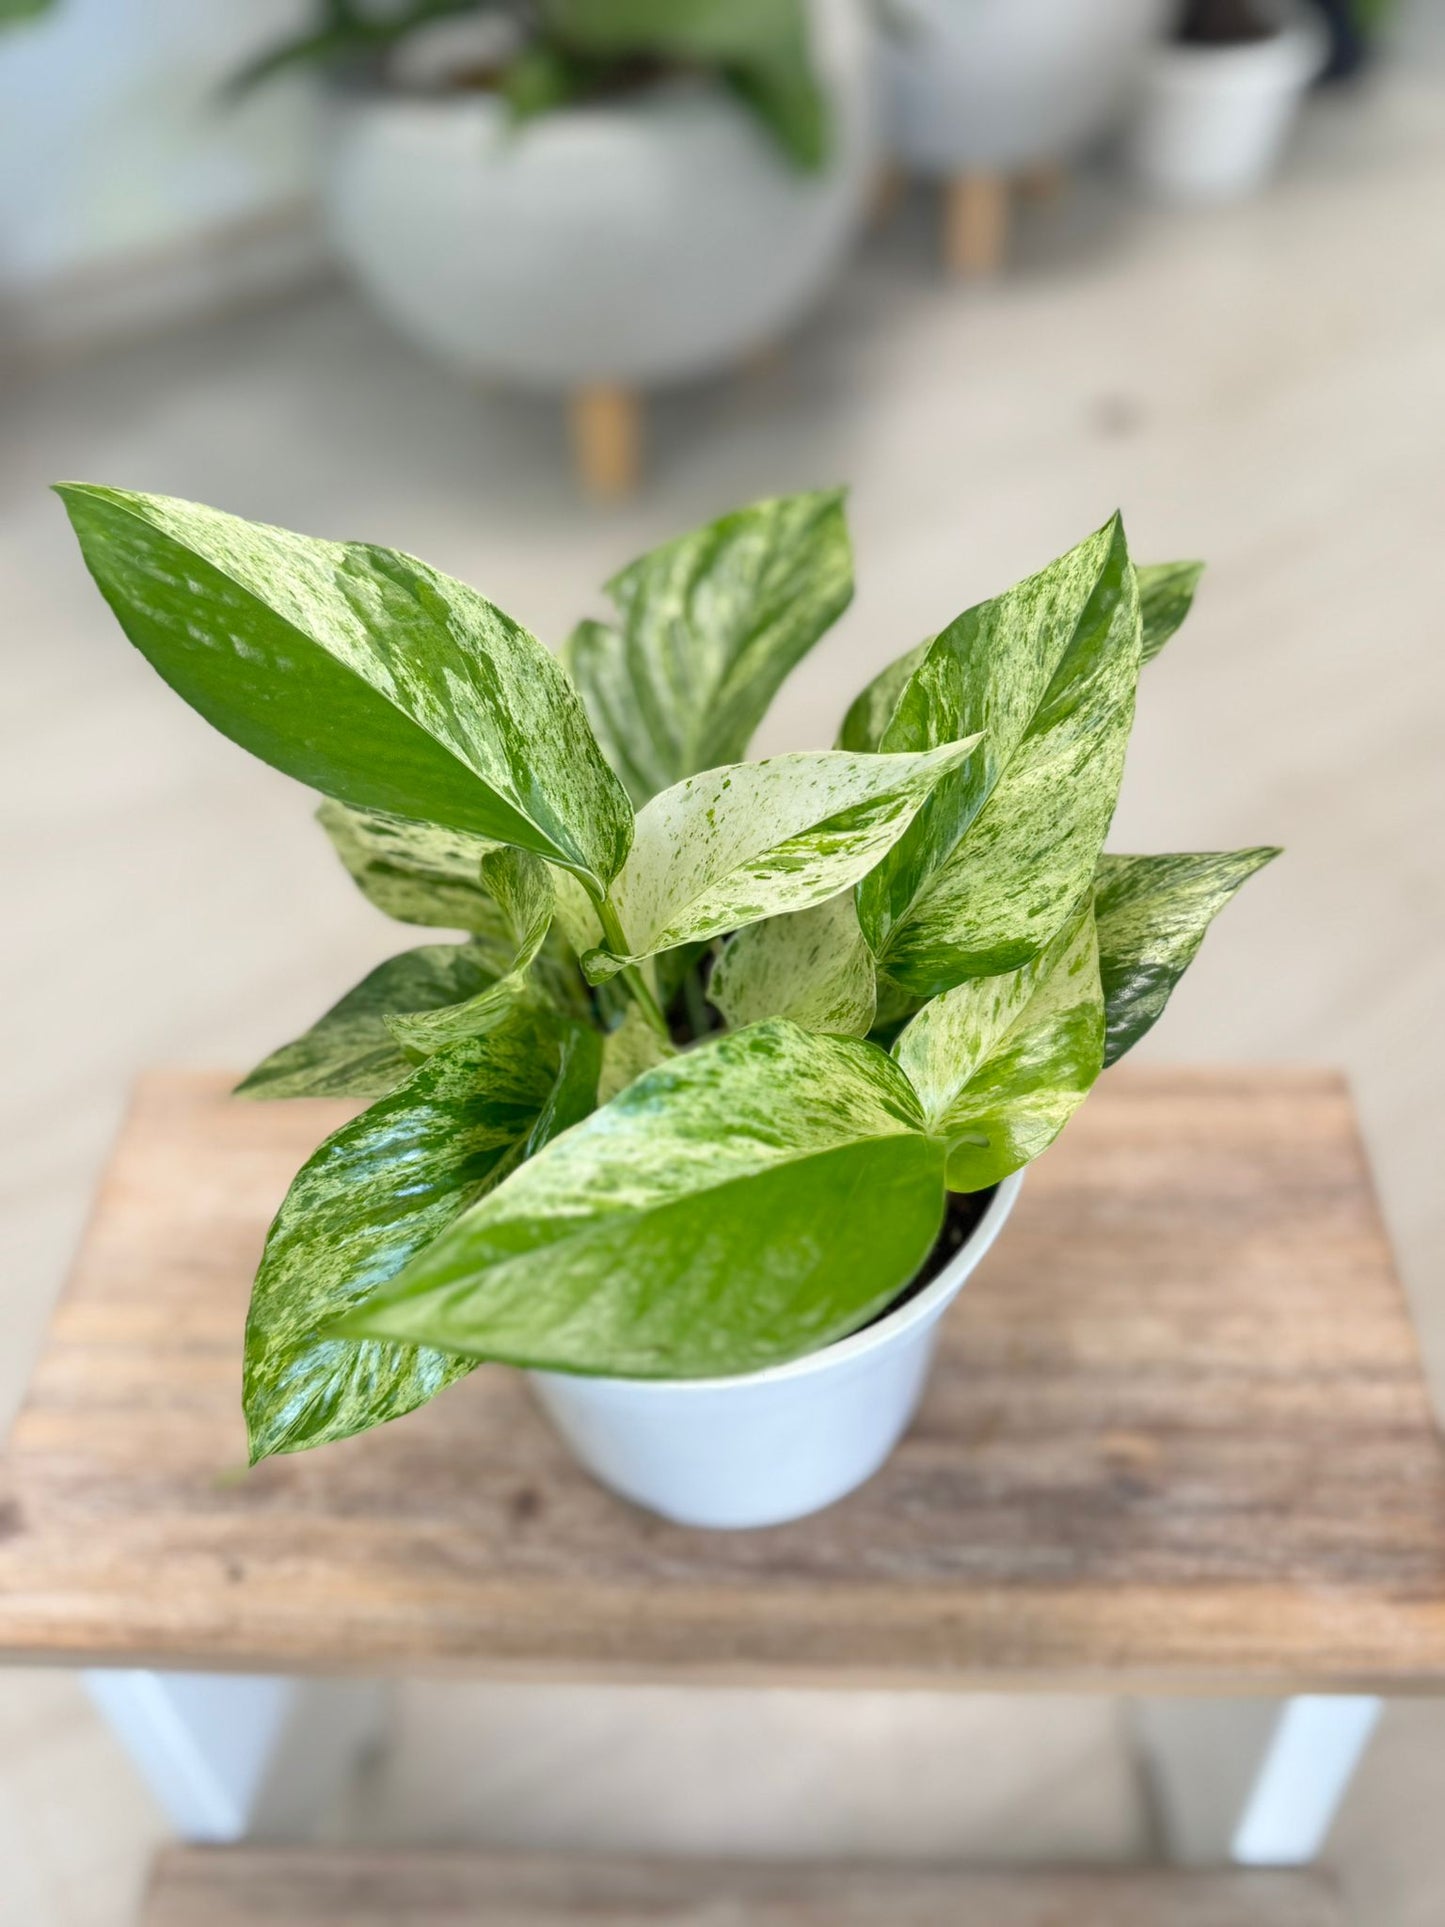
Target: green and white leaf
(416, 872)
(709, 626)
(812, 967)
(742, 1204)
(359, 671)
(521, 886)
(870, 713)
(1152, 914)
(629, 1050)
(1003, 853)
(1001, 1063)
(735, 845)
(377, 1192)
(350, 1052)
(1166, 595)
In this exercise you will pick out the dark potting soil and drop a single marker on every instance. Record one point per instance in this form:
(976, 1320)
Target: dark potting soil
(959, 1222)
(1225, 23)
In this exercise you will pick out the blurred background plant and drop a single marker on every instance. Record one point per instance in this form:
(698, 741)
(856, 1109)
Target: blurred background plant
(558, 53)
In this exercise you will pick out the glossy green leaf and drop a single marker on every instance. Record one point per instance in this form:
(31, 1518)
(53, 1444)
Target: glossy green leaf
(359, 671)
(1166, 595)
(812, 967)
(709, 626)
(1001, 1063)
(744, 1203)
(1152, 914)
(870, 713)
(416, 872)
(521, 886)
(734, 845)
(1004, 851)
(350, 1052)
(378, 1191)
(629, 1050)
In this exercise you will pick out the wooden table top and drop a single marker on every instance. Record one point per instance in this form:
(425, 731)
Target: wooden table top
(1178, 1439)
(359, 1887)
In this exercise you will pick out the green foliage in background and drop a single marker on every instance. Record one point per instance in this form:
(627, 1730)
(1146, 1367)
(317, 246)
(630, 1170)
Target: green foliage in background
(686, 1090)
(568, 51)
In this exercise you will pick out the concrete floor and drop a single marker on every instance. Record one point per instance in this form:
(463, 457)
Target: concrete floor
(1264, 387)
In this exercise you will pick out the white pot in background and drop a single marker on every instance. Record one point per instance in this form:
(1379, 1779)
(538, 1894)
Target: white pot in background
(636, 241)
(999, 86)
(772, 1445)
(1213, 121)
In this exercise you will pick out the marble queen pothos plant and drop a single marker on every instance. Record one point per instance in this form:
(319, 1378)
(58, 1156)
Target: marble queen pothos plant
(689, 1096)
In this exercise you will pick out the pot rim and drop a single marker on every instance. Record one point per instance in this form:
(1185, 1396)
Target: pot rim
(843, 1351)
(1297, 50)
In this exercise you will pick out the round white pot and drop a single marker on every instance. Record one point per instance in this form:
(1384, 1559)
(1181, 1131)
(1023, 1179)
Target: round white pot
(993, 86)
(638, 241)
(1213, 121)
(772, 1445)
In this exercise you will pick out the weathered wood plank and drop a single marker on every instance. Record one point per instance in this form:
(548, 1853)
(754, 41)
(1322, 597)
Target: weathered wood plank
(342, 1887)
(1178, 1439)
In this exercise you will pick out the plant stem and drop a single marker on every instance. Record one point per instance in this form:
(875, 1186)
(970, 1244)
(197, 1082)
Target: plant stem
(636, 983)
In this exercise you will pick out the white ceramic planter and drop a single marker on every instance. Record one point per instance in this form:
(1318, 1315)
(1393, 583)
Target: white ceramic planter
(773, 1445)
(998, 86)
(634, 242)
(1213, 121)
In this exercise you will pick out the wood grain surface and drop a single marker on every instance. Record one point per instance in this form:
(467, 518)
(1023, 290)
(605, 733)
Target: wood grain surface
(341, 1887)
(1177, 1440)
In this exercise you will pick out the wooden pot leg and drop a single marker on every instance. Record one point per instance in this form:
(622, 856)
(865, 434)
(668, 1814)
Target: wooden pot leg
(975, 223)
(1044, 182)
(607, 439)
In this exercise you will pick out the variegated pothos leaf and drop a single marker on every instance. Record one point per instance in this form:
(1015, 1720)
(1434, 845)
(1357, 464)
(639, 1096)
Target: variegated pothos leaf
(709, 626)
(870, 712)
(378, 1191)
(744, 1203)
(1166, 595)
(1003, 852)
(812, 967)
(350, 1052)
(629, 1050)
(736, 845)
(1152, 914)
(1001, 1063)
(361, 672)
(521, 886)
(417, 872)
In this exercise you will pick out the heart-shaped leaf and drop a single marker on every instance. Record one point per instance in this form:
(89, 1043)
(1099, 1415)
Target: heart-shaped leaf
(812, 967)
(350, 1052)
(709, 626)
(735, 845)
(416, 872)
(1004, 852)
(1001, 1063)
(359, 671)
(377, 1192)
(746, 1202)
(1152, 913)
(520, 884)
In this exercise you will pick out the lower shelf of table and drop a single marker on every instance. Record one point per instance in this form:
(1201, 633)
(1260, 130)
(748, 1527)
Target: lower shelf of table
(341, 1887)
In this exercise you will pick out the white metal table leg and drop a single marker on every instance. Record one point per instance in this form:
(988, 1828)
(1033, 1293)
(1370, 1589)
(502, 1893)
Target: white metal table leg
(231, 1755)
(1257, 1782)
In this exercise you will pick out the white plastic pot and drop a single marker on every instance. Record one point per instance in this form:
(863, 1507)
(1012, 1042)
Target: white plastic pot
(996, 86)
(772, 1445)
(638, 241)
(1213, 121)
